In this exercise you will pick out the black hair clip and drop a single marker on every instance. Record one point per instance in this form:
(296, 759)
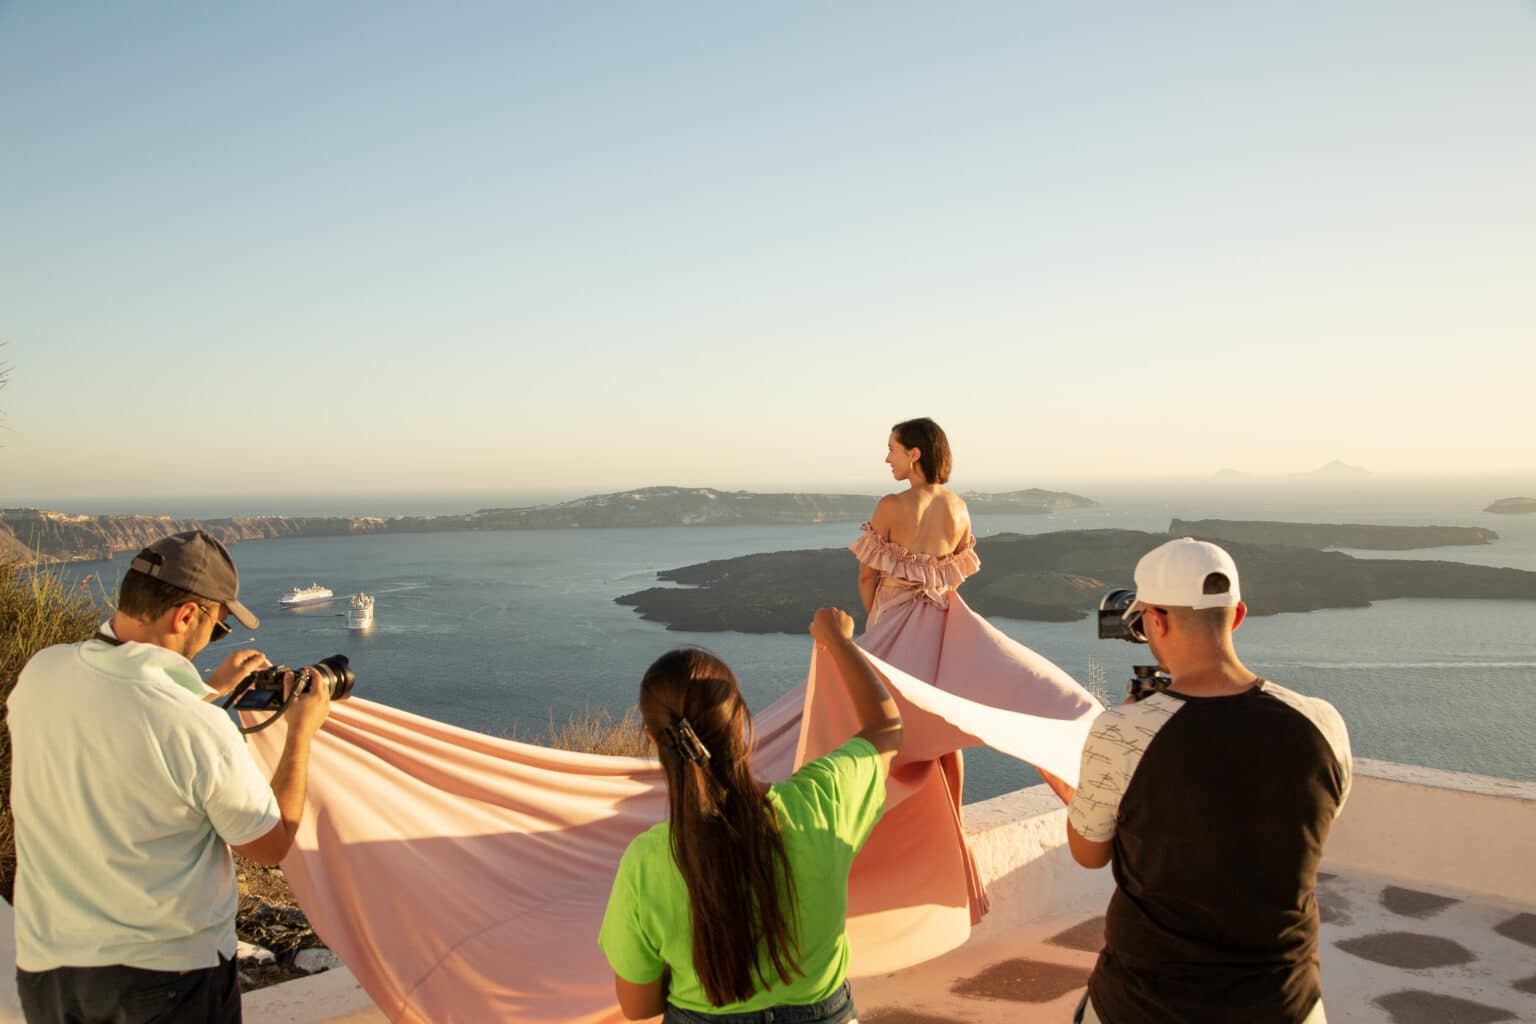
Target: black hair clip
(688, 743)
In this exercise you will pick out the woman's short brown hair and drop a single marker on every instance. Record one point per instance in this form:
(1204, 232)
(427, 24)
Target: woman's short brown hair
(928, 437)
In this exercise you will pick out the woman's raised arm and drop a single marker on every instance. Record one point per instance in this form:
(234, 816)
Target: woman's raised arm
(879, 717)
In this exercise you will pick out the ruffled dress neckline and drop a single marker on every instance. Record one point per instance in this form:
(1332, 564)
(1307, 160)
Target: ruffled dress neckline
(909, 575)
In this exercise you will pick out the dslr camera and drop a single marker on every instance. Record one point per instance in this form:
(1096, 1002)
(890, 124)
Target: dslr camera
(263, 691)
(1145, 679)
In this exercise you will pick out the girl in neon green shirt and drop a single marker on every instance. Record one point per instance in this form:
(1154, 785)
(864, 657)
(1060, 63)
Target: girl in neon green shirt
(737, 903)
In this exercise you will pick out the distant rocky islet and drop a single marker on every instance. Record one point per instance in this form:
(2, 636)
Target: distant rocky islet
(1512, 507)
(40, 535)
(1062, 576)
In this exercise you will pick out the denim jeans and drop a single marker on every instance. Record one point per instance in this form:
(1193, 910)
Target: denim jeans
(837, 1008)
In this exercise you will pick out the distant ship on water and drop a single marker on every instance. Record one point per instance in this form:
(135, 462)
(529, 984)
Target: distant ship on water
(312, 594)
(360, 612)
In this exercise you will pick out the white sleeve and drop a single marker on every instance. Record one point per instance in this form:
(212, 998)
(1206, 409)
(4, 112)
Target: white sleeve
(1100, 784)
(236, 797)
(1114, 747)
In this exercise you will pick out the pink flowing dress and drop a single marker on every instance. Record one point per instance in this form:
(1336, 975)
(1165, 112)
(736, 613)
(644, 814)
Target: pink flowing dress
(462, 877)
(919, 624)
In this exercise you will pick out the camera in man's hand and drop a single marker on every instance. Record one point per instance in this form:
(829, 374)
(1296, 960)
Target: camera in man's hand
(263, 691)
(1145, 679)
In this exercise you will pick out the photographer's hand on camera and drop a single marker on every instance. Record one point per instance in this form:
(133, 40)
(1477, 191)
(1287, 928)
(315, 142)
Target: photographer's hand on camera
(310, 707)
(235, 668)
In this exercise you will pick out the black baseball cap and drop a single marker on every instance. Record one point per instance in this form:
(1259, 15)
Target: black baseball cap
(196, 562)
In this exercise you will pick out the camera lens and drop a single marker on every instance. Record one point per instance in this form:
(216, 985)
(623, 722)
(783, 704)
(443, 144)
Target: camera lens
(337, 673)
(1112, 622)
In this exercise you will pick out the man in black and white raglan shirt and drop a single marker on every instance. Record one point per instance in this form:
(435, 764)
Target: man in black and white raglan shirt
(1212, 801)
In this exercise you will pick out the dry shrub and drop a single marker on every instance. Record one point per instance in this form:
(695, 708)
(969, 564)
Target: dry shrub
(39, 607)
(596, 731)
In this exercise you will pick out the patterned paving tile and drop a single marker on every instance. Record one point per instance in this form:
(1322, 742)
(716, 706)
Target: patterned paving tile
(1412, 1006)
(1088, 936)
(1414, 903)
(1334, 909)
(1409, 950)
(1521, 928)
(1023, 981)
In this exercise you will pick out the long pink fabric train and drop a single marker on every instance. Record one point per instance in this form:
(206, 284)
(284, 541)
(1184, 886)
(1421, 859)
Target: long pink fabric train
(462, 878)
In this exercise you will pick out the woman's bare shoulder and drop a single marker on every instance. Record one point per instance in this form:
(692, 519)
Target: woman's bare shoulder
(956, 505)
(887, 509)
(959, 514)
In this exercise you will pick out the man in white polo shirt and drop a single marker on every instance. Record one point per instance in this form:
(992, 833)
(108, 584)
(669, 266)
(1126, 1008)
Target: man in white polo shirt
(1212, 799)
(129, 788)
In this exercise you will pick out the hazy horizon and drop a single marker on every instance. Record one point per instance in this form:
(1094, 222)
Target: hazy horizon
(513, 248)
(1477, 489)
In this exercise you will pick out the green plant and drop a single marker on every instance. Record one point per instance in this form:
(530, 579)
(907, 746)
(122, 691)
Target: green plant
(39, 607)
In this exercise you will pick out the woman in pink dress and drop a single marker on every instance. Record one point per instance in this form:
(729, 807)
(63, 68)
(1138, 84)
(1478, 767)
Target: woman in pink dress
(913, 555)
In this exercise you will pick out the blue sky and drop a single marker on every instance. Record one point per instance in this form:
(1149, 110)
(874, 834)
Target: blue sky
(571, 247)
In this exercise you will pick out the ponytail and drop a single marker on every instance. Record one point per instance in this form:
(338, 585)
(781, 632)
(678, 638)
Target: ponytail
(725, 835)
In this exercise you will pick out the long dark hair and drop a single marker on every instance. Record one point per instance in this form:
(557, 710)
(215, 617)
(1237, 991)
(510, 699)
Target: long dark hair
(927, 436)
(725, 836)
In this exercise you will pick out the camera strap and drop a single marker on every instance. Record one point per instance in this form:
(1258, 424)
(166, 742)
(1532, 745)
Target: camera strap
(114, 641)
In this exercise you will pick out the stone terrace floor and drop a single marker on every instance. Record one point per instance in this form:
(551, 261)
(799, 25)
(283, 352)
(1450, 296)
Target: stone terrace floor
(1390, 954)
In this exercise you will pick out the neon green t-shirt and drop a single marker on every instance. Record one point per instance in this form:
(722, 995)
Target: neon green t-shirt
(826, 810)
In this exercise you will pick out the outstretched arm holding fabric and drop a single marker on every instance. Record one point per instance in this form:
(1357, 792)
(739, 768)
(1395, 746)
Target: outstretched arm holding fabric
(878, 714)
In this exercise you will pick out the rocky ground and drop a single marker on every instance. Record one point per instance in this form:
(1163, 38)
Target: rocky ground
(276, 942)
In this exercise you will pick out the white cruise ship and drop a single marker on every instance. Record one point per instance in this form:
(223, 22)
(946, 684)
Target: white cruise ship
(312, 594)
(360, 612)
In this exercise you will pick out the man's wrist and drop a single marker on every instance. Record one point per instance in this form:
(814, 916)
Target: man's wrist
(298, 741)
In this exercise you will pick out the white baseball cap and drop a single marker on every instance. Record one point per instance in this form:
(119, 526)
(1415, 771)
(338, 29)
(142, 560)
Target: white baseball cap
(1173, 574)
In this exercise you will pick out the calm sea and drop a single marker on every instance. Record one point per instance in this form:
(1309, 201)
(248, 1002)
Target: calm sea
(501, 632)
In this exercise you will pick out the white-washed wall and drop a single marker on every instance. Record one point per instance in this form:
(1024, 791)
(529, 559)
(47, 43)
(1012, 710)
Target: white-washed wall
(1452, 830)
